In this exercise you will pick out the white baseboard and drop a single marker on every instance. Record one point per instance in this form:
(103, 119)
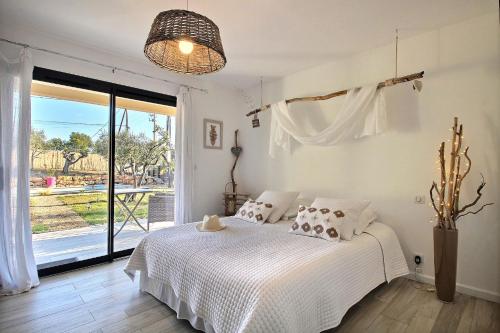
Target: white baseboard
(461, 288)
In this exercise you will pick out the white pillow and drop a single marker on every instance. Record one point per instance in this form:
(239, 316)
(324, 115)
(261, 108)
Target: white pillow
(320, 222)
(367, 216)
(291, 213)
(254, 211)
(355, 208)
(280, 201)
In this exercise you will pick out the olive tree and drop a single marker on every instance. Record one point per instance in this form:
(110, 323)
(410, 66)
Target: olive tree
(76, 148)
(135, 153)
(38, 144)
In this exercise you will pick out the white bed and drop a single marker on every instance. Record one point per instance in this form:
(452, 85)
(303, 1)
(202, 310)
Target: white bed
(260, 278)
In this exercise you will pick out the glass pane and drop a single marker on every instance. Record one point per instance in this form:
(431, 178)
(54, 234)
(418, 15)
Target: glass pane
(69, 173)
(144, 173)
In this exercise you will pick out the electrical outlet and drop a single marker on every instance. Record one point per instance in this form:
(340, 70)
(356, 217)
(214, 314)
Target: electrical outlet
(420, 199)
(419, 270)
(418, 259)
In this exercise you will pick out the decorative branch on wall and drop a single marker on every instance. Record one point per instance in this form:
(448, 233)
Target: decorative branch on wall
(386, 83)
(232, 199)
(236, 151)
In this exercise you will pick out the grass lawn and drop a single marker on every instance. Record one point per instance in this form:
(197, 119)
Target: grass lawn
(93, 207)
(71, 211)
(39, 228)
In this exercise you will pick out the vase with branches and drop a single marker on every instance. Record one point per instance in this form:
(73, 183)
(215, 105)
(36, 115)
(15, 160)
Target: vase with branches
(445, 199)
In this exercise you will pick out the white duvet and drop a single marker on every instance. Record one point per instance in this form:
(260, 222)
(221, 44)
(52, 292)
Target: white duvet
(260, 278)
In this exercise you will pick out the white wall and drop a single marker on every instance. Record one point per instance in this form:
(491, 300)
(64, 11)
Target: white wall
(220, 103)
(461, 64)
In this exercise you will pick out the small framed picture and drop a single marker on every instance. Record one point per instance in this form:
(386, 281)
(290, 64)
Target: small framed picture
(212, 134)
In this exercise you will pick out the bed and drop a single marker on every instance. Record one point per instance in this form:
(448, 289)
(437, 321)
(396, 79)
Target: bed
(260, 278)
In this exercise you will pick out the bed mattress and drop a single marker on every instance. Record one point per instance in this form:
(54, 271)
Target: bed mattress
(260, 278)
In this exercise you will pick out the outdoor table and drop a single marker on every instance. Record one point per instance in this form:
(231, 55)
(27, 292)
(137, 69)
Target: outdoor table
(127, 195)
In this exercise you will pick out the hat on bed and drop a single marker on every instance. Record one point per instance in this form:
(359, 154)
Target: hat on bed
(210, 223)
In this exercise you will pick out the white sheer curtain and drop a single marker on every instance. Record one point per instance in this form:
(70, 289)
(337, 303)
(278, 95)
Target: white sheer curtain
(183, 157)
(17, 263)
(362, 114)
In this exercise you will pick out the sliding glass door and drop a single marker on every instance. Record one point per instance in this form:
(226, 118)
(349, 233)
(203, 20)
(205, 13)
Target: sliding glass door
(69, 173)
(144, 169)
(102, 163)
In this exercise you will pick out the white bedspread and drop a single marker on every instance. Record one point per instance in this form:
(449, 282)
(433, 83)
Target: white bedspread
(260, 278)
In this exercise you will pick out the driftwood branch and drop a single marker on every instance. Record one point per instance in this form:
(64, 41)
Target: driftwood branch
(474, 212)
(459, 180)
(451, 173)
(447, 203)
(469, 162)
(386, 83)
(479, 194)
(434, 187)
(236, 150)
(442, 162)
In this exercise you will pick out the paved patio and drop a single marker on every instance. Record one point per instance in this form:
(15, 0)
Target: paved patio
(83, 243)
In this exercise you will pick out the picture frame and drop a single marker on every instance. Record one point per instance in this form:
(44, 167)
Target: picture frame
(212, 134)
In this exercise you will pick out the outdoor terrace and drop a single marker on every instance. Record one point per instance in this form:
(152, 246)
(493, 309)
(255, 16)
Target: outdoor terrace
(70, 224)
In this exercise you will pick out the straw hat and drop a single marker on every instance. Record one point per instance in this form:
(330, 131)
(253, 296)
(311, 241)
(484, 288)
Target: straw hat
(210, 223)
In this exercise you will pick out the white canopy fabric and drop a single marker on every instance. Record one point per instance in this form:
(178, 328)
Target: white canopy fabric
(362, 114)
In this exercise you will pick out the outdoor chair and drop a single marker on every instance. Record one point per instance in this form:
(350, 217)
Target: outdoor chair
(160, 208)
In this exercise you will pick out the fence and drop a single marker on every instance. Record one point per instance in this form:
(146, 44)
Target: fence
(54, 160)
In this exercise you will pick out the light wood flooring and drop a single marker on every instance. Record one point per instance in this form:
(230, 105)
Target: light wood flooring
(103, 299)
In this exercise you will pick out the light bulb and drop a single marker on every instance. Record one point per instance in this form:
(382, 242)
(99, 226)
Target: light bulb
(186, 47)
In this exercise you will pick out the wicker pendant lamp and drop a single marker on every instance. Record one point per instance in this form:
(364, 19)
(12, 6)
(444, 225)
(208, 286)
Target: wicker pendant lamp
(185, 42)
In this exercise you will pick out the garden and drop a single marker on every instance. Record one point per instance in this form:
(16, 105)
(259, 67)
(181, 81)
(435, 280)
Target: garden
(70, 211)
(69, 177)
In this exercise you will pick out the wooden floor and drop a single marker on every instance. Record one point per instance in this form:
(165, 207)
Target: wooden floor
(103, 299)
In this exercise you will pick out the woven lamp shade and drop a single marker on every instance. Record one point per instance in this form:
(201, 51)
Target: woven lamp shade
(172, 26)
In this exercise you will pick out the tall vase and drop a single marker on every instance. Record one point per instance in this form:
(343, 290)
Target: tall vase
(445, 263)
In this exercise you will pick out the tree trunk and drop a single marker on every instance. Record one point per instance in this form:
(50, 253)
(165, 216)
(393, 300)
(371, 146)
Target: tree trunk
(169, 176)
(143, 174)
(67, 164)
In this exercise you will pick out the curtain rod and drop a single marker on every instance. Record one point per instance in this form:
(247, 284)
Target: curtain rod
(113, 68)
(386, 83)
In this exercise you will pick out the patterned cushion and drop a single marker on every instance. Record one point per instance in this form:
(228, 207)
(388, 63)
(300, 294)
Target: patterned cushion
(318, 222)
(254, 211)
(349, 223)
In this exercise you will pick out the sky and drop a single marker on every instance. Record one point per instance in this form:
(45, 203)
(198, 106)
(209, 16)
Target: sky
(58, 118)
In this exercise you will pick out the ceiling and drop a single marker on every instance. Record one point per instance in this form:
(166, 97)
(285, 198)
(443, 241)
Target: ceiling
(260, 38)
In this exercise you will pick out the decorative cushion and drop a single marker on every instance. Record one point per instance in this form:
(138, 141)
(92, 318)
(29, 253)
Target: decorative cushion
(318, 222)
(254, 211)
(367, 216)
(355, 208)
(280, 201)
